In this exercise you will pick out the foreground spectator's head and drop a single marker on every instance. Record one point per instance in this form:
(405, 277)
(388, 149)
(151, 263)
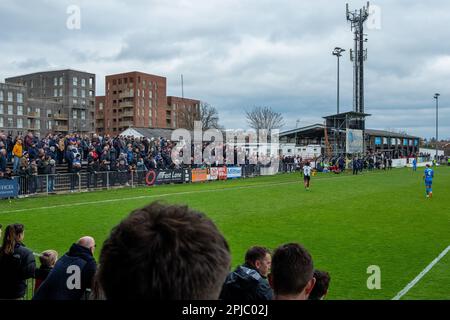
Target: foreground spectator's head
(48, 258)
(88, 243)
(14, 233)
(291, 277)
(164, 252)
(260, 259)
(320, 289)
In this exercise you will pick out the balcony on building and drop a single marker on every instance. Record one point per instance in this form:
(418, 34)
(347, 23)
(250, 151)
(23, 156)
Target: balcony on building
(33, 115)
(61, 116)
(126, 123)
(126, 104)
(127, 114)
(61, 128)
(126, 94)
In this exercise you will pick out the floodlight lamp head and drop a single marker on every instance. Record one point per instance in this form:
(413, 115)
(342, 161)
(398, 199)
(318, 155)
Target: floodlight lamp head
(436, 95)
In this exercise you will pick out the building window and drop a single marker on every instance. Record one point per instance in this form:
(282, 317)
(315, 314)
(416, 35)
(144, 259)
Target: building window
(83, 102)
(60, 92)
(75, 92)
(49, 113)
(91, 93)
(10, 123)
(38, 125)
(83, 115)
(74, 114)
(1, 122)
(55, 92)
(20, 123)
(1, 95)
(1, 109)
(83, 94)
(10, 109)
(38, 112)
(100, 106)
(55, 81)
(10, 96)
(91, 82)
(20, 110)
(75, 81)
(20, 97)
(61, 81)
(83, 83)
(49, 124)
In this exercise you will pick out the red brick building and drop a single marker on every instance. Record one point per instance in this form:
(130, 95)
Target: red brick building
(137, 99)
(99, 114)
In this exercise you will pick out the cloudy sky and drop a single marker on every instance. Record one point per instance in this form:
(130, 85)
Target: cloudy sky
(237, 54)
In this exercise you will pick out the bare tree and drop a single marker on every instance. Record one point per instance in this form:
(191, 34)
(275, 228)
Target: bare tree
(207, 114)
(264, 118)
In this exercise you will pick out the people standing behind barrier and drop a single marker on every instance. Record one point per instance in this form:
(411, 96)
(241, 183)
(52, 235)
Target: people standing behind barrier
(182, 249)
(292, 274)
(249, 281)
(321, 286)
(17, 263)
(48, 260)
(17, 153)
(3, 160)
(92, 168)
(72, 275)
(51, 175)
(355, 166)
(34, 177)
(75, 171)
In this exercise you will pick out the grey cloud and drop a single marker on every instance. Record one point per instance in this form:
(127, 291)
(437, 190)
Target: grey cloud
(237, 54)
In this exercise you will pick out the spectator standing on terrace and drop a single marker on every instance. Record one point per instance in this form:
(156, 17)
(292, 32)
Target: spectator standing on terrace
(48, 260)
(72, 275)
(163, 252)
(3, 160)
(17, 263)
(17, 153)
(292, 274)
(320, 289)
(249, 281)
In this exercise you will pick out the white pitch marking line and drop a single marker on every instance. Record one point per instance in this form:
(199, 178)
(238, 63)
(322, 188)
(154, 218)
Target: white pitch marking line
(421, 275)
(166, 195)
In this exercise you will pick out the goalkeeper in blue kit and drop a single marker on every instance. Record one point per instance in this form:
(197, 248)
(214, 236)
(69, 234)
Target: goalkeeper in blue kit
(428, 177)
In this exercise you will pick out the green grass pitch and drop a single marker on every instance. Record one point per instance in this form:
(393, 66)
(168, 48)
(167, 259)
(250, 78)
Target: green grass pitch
(348, 223)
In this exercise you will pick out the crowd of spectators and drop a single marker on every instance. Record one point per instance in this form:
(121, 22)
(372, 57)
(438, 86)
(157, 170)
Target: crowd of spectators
(159, 252)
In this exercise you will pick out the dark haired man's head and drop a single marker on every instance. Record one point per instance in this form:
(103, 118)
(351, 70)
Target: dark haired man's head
(291, 277)
(260, 259)
(164, 252)
(320, 289)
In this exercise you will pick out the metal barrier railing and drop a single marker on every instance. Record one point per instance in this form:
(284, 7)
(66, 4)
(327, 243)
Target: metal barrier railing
(87, 181)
